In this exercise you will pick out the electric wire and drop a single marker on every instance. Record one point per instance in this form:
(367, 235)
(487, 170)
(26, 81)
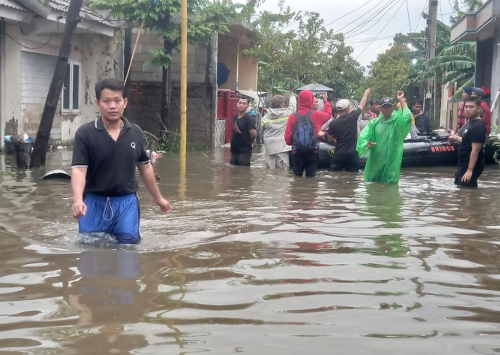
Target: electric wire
(401, 2)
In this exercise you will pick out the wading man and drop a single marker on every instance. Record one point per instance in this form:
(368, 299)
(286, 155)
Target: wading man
(303, 131)
(384, 138)
(343, 133)
(273, 125)
(106, 154)
(470, 151)
(244, 133)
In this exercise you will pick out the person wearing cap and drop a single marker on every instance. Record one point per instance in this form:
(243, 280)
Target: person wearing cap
(461, 109)
(343, 133)
(273, 127)
(307, 161)
(384, 138)
(485, 113)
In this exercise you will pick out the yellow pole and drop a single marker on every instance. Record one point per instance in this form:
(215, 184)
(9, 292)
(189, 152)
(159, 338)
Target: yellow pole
(183, 125)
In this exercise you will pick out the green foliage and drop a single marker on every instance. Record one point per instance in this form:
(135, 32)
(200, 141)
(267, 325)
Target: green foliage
(291, 58)
(163, 16)
(495, 142)
(452, 64)
(390, 72)
(468, 6)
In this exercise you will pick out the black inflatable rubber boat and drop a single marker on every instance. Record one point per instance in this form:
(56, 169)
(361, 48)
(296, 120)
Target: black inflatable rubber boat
(429, 150)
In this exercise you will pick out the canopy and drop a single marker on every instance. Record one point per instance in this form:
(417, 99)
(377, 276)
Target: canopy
(316, 88)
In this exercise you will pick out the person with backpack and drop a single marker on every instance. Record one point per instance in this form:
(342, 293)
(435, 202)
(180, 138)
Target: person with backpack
(303, 131)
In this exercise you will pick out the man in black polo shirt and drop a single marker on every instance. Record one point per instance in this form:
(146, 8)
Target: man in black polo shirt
(106, 153)
(470, 151)
(343, 133)
(244, 133)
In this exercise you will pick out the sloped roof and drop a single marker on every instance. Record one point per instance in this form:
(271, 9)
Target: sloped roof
(13, 5)
(86, 13)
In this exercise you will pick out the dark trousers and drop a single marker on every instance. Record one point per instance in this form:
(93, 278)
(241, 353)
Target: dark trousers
(241, 159)
(345, 161)
(307, 162)
(462, 169)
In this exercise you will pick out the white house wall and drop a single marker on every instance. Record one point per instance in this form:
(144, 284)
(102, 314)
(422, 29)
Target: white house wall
(101, 58)
(11, 82)
(28, 74)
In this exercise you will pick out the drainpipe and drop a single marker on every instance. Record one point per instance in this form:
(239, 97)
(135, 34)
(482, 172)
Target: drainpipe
(36, 6)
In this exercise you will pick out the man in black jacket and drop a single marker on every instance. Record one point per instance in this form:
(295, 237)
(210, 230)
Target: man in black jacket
(422, 121)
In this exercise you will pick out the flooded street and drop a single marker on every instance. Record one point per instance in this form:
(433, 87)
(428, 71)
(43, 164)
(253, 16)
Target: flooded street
(257, 262)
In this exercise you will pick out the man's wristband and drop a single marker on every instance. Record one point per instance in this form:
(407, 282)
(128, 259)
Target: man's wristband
(471, 169)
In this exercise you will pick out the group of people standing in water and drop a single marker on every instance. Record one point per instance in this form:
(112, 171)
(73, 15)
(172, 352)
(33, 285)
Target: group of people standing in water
(293, 128)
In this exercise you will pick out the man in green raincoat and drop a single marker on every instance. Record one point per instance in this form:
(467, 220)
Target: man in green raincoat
(384, 137)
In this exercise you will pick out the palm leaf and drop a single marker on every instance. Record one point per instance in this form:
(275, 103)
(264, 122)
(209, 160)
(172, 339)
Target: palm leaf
(467, 49)
(441, 59)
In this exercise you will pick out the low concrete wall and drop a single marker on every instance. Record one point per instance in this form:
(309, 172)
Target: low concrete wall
(145, 105)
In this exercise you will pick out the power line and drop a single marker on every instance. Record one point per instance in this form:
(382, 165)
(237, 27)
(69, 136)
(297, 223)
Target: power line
(452, 7)
(409, 27)
(420, 18)
(383, 28)
(339, 18)
(408, 12)
(441, 10)
(367, 21)
(31, 48)
(367, 12)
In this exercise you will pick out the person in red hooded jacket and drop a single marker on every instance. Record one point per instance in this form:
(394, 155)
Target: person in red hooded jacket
(306, 105)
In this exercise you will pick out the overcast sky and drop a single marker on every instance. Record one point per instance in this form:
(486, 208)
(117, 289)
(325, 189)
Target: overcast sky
(368, 41)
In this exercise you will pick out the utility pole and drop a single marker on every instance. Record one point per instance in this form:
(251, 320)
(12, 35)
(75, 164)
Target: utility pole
(49, 110)
(431, 53)
(183, 125)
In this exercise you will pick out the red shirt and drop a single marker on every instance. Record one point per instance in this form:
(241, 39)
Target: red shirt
(486, 116)
(461, 115)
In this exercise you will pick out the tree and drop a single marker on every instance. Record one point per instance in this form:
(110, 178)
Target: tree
(43, 134)
(310, 53)
(390, 72)
(163, 16)
(455, 64)
(468, 6)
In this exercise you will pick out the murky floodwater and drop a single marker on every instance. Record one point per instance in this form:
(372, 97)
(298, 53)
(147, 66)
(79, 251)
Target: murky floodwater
(257, 262)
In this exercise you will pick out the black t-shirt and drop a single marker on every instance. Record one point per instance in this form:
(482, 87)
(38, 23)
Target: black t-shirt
(423, 123)
(110, 165)
(241, 142)
(345, 130)
(475, 132)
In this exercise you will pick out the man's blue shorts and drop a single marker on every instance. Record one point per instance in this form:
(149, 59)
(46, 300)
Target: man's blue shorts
(118, 216)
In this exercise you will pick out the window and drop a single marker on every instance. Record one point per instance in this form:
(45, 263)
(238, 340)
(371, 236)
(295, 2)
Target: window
(71, 88)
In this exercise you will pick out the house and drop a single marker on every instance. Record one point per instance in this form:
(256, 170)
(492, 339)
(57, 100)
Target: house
(30, 35)
(205, 61)
(483, 27)
(236, 71)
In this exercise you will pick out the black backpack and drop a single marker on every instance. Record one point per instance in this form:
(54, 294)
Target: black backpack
(304, 134)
